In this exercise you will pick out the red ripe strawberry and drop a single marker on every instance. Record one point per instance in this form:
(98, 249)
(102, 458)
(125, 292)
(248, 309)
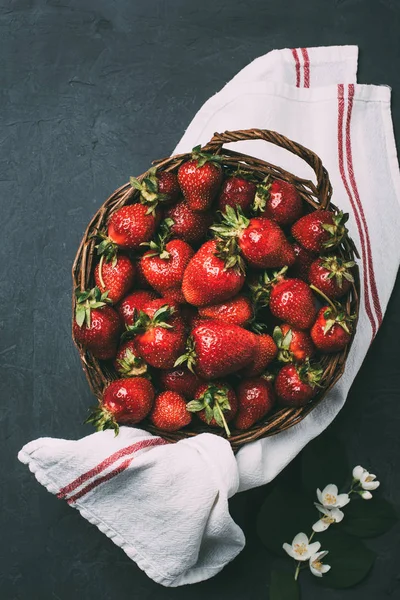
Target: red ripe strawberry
(278, 201)
(293, 344)
(256, 398)
(261, 241)
(159, 334)
(131, 225)
(132, 304)
(96, 326)
(200, 179)
(164, 266)
(157, 188)
(180, 380)
(265, 353)
(303, 262)
(208, 279)
(331, 331)
(169, 412)
(295, 385)
(320, 230)
(187, 224)
(116, 276)
(292, 301)
(237, 191)
(128, 362)
(141, 281)
(215, 404)
(332, 275)
(124, 401)
(216, 349)
(238, 311)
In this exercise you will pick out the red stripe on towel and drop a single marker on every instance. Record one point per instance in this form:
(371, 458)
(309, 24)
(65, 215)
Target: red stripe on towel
(100, 480)
(108, 462)
(371, 273)
(297, 62)
(306, 58)
(355, 210)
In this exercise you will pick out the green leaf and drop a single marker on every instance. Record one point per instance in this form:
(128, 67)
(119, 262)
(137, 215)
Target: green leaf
(282, 516)
(324, 461)
(369, 518)
(283, 586)
(349, 558)
(80, 314)
(217, 417)
(195, 405)
(135, 183)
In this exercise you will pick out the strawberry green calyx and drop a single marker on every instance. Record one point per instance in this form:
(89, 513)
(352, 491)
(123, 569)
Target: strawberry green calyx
(214, 401)
(132, 365)
(239, 172)
(148, 188)
(337, 230)
(335, 313)
(227, 232)
(260, 291)
(190, 357)
(262, 196)
(102, 419)
(205, 157)
(144, 322)
(107, 250)
(310, 374)
(338, 269)
(229, 251)
(283, 343)
(87, 301)
(157, 246)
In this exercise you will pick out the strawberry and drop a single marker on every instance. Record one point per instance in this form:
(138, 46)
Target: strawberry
(157, 188)
(200, 179)
(302, 263)
(332, 329)
(215, 404)
(261, 241)
(295, 385)
(278, 201)
(116, 276)
(187, 224)
(237, 310)
(265, 353)
(164, 265)
(96, 326)
(141, 281)
(208, 279)
(292, 301)
(124, 401)
(332, 275)
(256, 398)
(128, 363)
(132, 304)
(293, 344)
(131, 225)
(216, 349)
(320, 230)
(237, 190)
(180, 380)
(169, 412)
(159, 334)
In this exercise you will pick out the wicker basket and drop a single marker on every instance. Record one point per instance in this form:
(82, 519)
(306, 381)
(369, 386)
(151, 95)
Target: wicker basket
(317, 196)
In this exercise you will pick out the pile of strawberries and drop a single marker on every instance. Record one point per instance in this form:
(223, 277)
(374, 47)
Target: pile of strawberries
(191, 278)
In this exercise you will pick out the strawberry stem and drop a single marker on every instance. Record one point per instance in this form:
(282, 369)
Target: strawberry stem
(328, 300)
(101, 271)
(228, 433)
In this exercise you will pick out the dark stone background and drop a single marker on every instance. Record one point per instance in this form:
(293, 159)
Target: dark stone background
(90, 92)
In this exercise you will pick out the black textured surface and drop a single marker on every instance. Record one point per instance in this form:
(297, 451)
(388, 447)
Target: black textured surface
(90, 92)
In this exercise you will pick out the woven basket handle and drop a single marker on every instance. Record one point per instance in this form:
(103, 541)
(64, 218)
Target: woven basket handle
(323, 188)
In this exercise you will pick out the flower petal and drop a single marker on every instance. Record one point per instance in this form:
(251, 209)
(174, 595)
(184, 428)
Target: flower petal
(319, 555)
(319, 496)
(322, 509)
(337, 514)
(315, 571)
(331, 489)
(320, 526)
(289, 550)
(300, 538)
(357, 472)
(325, 568)
(342, 500)
(313, 548)
(370, 485)
(366, 495)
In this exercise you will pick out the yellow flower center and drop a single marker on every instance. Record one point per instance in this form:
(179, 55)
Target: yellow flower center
(330, 499)
(300, 549)
(327, 519)
(317, 565)
(369, 478)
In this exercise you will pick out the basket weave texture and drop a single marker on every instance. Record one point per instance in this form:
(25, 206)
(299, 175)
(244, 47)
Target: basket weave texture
(316, 195)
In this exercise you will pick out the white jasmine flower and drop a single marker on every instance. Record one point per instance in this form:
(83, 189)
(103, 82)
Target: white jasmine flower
(331, 515)
(368, 482)
(317, 568)
(300, 549)
(357, 472)
(330, 498)
(365, 495)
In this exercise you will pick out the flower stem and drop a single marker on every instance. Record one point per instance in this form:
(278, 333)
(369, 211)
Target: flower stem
(297, 571)
(311, 536)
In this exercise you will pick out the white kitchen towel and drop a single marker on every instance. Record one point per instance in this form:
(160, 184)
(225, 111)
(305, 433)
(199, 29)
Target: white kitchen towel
(166, 506)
